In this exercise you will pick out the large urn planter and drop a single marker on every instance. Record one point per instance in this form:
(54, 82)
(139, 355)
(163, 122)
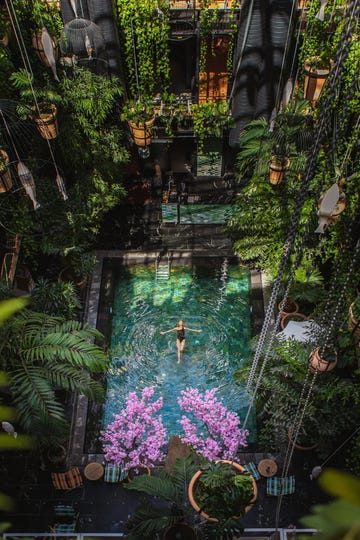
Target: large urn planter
(200, 508)
(296, 316)
(278, 166)
(322, 361)
(5, 174)
(354, 322)
(304, 447)
(46, 121)
(288, 308)
(141, 132)
(315, 79)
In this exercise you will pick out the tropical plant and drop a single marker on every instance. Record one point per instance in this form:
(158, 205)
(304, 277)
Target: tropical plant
(338, 518)
(222, 492)
(277, 402)
(43, 355)
(145, 28)
(356, 308)
(59, 299)
(23, 81)
(209, 119)
(290, 137)
(212, 430)
(169, 504)
(137, 436)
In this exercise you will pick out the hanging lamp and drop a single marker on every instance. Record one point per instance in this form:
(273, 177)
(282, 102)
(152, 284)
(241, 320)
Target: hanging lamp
(46, 47)
(27, 180)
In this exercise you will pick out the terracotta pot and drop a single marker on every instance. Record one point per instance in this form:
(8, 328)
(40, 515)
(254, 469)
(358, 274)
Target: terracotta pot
(292, 316)
(180, 531)
(142, 133)
(195, 478)
(289, 308)
(315, 79)
(320, 364)
(46, 122)
(278, 166)
(5, 174)
(300, 446)
(354, 324)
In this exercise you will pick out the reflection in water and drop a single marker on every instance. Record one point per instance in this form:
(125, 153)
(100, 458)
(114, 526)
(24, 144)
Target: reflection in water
(215, 301)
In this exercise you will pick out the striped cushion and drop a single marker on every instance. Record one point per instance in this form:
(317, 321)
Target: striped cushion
(64, 510)
(252, 469)
(115, 473)
(67, 480)
(280, 486)
(64, 527)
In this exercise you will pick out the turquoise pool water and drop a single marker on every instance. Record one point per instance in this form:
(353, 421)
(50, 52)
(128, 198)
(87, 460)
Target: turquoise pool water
(215, 300)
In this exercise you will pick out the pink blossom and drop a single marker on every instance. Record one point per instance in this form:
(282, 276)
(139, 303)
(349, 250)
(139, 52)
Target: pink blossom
(215, 434)
(137, 435)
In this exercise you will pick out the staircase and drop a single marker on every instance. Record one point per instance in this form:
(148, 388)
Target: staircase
(162, 269)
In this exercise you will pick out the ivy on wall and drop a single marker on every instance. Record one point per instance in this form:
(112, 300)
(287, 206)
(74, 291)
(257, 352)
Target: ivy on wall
(144, 28)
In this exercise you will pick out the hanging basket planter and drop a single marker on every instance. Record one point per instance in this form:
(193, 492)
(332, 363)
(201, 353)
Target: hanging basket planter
(305, 447)
(5, 174)
(278, 165)
(138, 471)
(321, 361)
(354, 323)
(46, 122)
(315, 79)
(142, 133)
(193, 491)
(38, 46)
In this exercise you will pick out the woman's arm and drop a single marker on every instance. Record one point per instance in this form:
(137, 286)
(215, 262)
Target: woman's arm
(167, 331)
(192, 329)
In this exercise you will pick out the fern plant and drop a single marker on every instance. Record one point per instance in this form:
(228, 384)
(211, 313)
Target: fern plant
(43, 355)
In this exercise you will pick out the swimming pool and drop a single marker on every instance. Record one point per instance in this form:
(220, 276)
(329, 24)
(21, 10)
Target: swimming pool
(214, 298)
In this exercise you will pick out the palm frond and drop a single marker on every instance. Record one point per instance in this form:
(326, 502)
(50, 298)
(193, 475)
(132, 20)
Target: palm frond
(148, 521)
(155, 486)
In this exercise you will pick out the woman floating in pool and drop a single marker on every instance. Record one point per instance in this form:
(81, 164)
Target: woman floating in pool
(180, 339)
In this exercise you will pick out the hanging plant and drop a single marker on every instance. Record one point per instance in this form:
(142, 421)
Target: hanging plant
(209, 119)
(145, 28)
(208, 17)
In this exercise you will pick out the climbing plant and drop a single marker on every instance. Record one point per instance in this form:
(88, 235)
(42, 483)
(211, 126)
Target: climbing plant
(144, 29)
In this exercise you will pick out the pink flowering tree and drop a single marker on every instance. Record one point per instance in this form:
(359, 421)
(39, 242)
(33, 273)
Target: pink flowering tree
(212, 430)
(137, 435)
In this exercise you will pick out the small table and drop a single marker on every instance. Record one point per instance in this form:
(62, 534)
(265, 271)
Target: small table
(93, 471)
(267, 467)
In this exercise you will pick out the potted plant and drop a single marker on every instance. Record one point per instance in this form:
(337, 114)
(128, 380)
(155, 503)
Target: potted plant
(140, 117)
(323, 359)
(221, 491)
(136, 437)
(354, 317)
(5, 174)
(278, 165)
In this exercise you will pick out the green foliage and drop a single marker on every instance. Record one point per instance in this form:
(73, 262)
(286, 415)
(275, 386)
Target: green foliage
(145, 29)
(58, 299)
(209, 119)
(339, 519)
(170, 489)
(23, 81)
(356, 308)
(222, 492)
(138, 111)
(42, 355)
(278, 399)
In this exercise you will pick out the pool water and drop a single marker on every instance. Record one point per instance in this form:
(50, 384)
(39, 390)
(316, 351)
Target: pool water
(215, 300)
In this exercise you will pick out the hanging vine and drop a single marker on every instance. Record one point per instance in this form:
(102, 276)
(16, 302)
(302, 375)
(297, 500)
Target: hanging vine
(145, 28)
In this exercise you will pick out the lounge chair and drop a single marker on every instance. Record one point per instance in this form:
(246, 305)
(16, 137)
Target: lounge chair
(68, 480)
(280, 486)
(114, 473)
(252, 469)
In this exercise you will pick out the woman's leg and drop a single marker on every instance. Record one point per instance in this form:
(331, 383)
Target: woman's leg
(180, 349)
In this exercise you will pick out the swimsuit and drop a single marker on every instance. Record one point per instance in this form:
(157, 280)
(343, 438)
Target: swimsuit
(181, 334)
